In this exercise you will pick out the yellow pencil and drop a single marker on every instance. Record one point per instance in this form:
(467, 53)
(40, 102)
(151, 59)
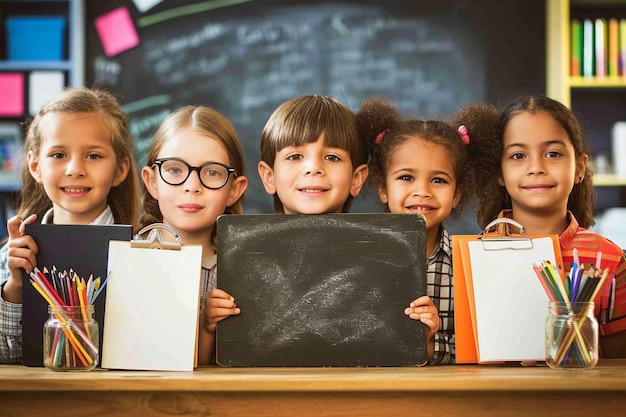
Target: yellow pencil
(82, 300)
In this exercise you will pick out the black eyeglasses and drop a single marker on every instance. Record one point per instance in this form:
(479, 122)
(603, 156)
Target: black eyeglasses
(213, 175)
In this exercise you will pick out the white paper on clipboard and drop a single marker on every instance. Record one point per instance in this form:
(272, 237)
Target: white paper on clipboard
(152, 307)
(510, 303)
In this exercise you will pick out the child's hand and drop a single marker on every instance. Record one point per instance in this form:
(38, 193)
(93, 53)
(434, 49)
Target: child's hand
(22, 248)
(218, 305)
(424, 309)
(20, 255)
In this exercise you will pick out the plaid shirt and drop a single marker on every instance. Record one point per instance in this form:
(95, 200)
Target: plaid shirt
(439, 287)
(11, 314)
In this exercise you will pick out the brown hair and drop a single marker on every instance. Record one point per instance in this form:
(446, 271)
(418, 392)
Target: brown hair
(123, 198)
(487, 125)
(383, 129)
(302, 120)
(207, 122)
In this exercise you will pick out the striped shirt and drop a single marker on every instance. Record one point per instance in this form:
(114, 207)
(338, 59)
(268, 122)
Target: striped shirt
(588, 244)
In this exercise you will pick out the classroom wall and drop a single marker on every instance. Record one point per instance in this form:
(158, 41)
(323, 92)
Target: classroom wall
(247, 58)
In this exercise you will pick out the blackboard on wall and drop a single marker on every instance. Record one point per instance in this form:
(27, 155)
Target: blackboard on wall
(244, 58)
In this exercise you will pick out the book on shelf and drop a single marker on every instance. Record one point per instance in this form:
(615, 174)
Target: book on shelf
(588, 49)
(622, 47)
(613, 56)
(598, 48)
(576, 45)
(600, 45)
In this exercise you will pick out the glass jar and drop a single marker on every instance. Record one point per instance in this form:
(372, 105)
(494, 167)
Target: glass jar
(70, 339)
(571, 335)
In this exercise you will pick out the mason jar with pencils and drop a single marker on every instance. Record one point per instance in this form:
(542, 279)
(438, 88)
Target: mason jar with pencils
(571, 335)
(70, 338)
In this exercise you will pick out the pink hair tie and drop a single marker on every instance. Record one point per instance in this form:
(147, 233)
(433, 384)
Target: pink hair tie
(463, 134)
(380, 136)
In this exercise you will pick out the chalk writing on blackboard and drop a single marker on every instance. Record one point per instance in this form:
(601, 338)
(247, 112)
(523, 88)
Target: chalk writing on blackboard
(244, 61)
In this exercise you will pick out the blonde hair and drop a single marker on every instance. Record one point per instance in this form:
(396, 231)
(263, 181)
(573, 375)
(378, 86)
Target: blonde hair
(207, 122)
(123, 198)
(302, 120)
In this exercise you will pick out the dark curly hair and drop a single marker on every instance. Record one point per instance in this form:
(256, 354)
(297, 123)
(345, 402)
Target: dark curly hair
(486, 125)
(378, 116)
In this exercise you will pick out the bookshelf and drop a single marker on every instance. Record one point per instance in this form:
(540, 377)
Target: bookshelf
(598, 102)
(73, 61)
(35, 76)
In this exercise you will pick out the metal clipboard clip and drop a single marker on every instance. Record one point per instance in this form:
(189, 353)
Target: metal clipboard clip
(155, 238)
(502, 240)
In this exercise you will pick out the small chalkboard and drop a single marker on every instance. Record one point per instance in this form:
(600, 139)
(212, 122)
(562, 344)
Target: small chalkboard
(321, 290)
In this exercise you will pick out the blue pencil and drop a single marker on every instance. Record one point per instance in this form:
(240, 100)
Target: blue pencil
(104, 283)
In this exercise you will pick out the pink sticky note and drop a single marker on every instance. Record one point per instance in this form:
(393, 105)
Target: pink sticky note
(117, 31)
(11, 94)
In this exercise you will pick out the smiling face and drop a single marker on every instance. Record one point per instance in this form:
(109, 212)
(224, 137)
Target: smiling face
(190, 208)
(420, 179)
(312, 178)
(76, 165)
(539, 165)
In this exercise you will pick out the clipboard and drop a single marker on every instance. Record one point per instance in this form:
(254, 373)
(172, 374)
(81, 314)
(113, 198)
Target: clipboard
(499, 304)
(153, 303)
(321, 290)
(83, 248)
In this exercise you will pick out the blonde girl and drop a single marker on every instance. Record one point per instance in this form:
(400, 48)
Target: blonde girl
(78, 168)
(194, 173)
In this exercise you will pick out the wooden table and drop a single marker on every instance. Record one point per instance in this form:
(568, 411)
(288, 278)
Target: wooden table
(467, 390)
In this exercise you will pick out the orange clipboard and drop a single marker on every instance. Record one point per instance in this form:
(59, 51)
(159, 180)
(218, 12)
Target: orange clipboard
(499, 304)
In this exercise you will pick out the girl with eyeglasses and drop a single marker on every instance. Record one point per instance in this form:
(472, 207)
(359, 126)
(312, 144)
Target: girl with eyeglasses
(194, 173)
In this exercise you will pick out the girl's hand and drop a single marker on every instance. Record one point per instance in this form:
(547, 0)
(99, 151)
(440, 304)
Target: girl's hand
(218, 305)
(424, 310)
(20, 255)
(22, 247)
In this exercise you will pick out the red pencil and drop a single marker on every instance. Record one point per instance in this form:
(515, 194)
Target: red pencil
(542, 279)
(49, 287)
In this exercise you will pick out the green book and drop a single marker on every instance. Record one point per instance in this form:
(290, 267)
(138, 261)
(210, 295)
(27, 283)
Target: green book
(588, 49)
(576, 48)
